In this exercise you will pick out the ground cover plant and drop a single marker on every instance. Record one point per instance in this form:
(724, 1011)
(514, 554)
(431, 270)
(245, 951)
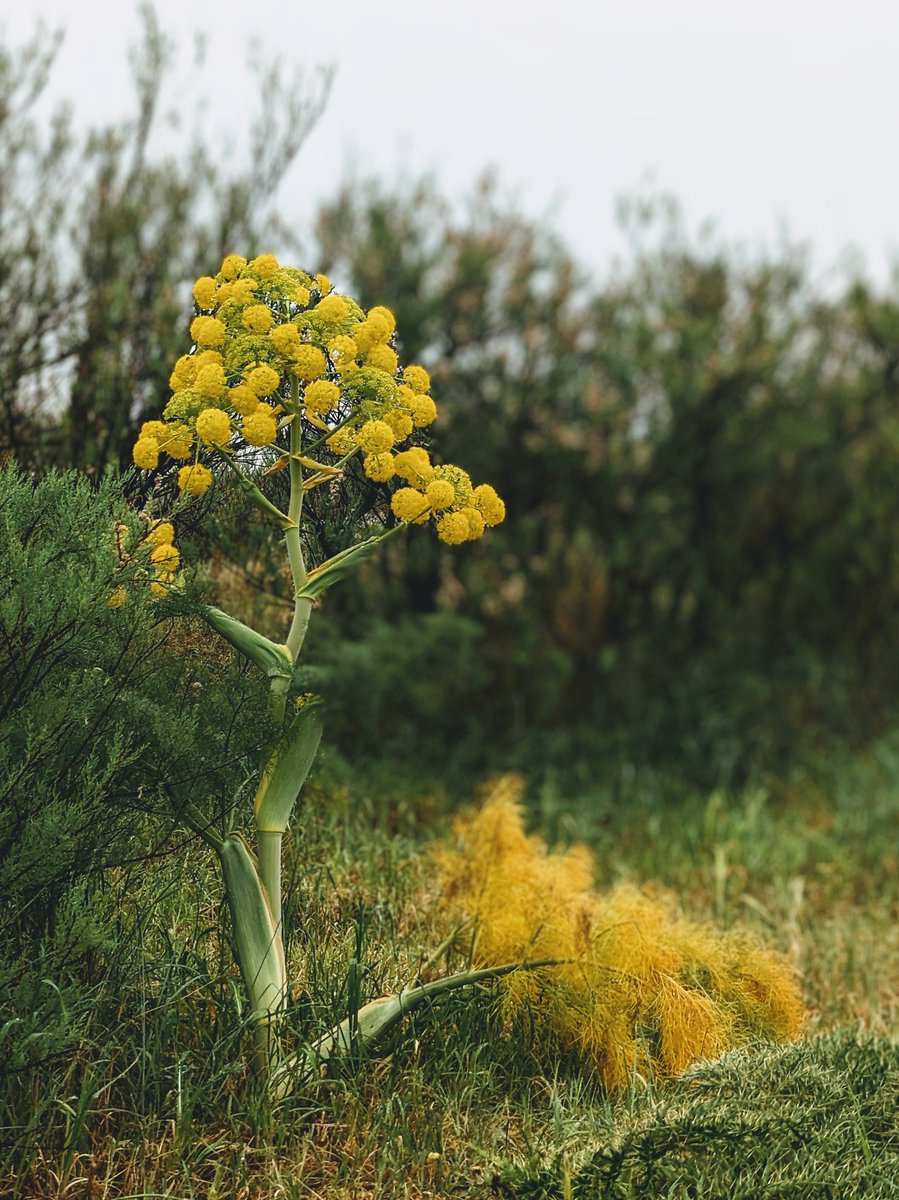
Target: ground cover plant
(146, 1094)
(637, 990)
(814, 1120)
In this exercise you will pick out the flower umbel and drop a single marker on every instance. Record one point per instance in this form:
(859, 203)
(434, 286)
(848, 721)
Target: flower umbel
(274, 346)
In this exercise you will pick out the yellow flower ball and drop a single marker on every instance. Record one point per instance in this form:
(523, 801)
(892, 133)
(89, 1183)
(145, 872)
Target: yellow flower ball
(178, 441)
(208, 358)
(154, 429)
(195, 479)
(320, 397)
(423, 410)
(440, 494)
(161, 534)
(300, 295)
(453, 529)
(233, 265)
(323, 283)
(363, 337)
(184, 373)
(476, 523)
(383, 358)
(378, 467)
(382, 314)
(309, 363)
(166, 556)
(210, 381)
(408, 505)
(214, 427)
(343, 441)
(258, 318)
(285, 338)
(241, 291)
(400, 422)
(243, 399)
(375, 437)
(342, 347)
(265, 266)
(332, 309)
(459, 479)
(414, 466)
(146, 453)
(117, 598)
(160, 586)
(417, 378)
(263, 380)
(489, 504)
(207, 331)
(260, 427)
(204, 291)
(378, 326)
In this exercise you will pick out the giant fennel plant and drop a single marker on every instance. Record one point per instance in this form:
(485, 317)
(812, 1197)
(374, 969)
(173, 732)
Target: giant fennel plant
(284, 374)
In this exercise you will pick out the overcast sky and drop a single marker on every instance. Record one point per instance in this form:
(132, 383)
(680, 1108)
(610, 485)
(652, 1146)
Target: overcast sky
(758, 114)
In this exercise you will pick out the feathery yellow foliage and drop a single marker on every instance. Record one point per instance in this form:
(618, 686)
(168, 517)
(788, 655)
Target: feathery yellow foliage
(640, 989)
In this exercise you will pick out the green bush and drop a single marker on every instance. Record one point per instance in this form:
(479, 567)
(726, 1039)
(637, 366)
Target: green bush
(112, 720)
(410, 692)
(107, 712)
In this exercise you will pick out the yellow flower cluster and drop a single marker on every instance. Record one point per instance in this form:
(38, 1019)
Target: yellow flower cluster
(462, 512)
(273, 342)
(164, 556)
(164, 561)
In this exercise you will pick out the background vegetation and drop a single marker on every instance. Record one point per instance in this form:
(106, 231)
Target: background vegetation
(700, 562)
(684, 635)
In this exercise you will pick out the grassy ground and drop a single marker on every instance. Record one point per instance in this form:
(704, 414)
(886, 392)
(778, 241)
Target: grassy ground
(125, 1076)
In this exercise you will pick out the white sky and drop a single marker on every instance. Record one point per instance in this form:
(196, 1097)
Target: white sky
(758, 114)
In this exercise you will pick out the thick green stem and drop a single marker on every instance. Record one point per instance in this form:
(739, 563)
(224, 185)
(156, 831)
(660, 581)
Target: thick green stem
(257, 944)
(298, 626)
(277, 698)
(270, 871)
(302, 606)
(270, 843)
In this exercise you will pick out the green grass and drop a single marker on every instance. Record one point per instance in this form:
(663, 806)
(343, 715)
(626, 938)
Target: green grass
(124, 1068)
(817, 1119)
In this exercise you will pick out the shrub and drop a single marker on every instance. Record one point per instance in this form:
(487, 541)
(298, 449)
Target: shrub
(105, 713)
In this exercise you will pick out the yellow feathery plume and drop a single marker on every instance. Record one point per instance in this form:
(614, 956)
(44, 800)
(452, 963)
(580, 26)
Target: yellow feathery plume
(639, 988)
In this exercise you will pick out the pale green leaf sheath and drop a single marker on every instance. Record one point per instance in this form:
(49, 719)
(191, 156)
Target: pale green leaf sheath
(257, 942)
